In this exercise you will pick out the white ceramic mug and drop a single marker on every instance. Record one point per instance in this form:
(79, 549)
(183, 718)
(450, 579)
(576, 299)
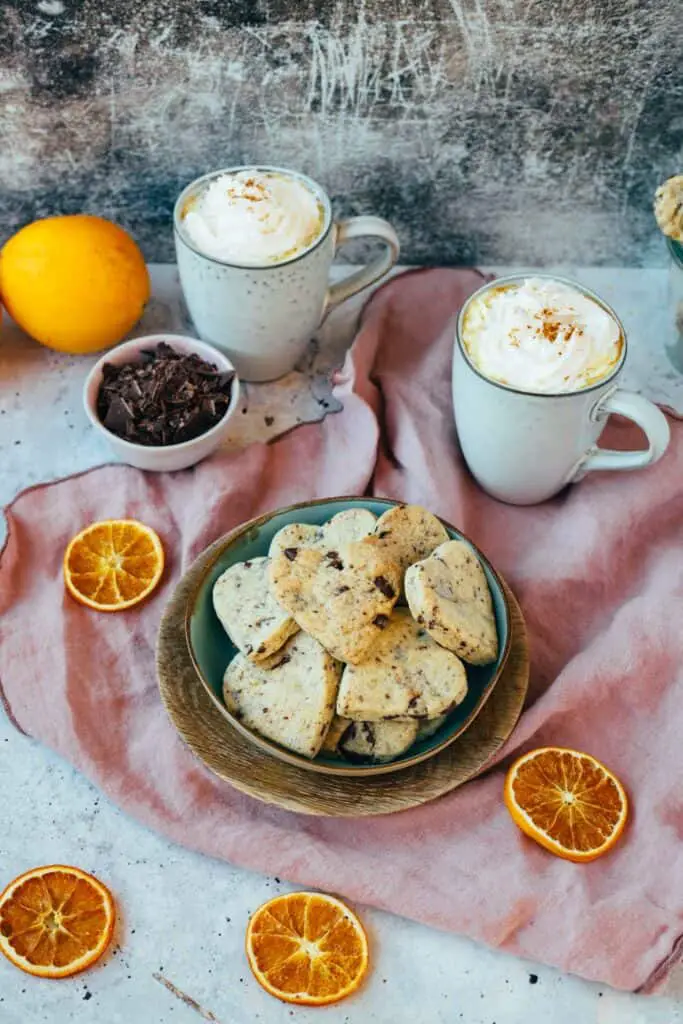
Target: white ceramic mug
(264, 317)
(524, 447)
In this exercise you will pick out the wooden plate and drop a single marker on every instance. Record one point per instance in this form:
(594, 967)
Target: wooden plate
(232, 757)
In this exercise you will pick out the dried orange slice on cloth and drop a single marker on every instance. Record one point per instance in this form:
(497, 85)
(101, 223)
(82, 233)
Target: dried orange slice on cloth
(55, 921)
(306, 947)
(568, 802)
(113, 565)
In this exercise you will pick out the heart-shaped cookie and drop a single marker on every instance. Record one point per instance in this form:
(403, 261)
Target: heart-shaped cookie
(342, 596)
(290, 699)
(405, 675)
(344, 528)
(408, 533)
(370, 741)
(249, 613)
(448, 593)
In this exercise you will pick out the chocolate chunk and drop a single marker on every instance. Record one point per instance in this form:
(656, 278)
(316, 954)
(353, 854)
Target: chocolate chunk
(384, 586)
(291, 553)
(164, 398)
(334, 559)
(119, 414)
(380, 621)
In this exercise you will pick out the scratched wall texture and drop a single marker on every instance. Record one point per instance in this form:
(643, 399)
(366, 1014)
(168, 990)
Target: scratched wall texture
(516, 131)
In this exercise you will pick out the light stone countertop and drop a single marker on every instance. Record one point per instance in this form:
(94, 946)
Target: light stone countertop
(183, 915)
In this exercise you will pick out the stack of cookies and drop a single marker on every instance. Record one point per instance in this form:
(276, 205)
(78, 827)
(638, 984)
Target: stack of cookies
(353, 635)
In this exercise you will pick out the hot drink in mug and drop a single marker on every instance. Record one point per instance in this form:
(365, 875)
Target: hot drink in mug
(254, 247)
(535, 371)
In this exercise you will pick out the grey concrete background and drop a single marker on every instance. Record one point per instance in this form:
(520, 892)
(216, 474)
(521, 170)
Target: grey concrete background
(499, 131)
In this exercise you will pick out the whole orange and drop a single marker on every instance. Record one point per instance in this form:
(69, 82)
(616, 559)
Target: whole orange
(75, 283)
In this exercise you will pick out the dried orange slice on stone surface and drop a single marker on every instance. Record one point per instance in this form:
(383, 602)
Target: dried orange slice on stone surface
(306, 947)
(114, 564)
(55, 921)
(568, 802)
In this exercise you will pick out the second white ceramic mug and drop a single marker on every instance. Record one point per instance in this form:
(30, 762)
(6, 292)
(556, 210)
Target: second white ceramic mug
(263, 317)
(525, 447)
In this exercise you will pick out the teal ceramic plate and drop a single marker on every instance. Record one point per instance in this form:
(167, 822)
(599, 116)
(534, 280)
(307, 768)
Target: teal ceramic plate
(211, 649)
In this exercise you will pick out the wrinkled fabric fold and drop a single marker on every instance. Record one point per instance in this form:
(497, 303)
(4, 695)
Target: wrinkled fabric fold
(599, 575)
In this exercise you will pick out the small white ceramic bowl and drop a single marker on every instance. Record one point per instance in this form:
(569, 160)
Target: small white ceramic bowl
(164, 458)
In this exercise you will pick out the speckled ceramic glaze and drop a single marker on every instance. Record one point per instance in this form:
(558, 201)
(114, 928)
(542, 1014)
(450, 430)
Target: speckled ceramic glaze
(211, 648)
(524, 447)
(263, 317)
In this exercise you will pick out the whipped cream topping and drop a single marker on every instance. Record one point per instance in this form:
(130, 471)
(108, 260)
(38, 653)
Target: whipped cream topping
(541, 335)
(253, 218)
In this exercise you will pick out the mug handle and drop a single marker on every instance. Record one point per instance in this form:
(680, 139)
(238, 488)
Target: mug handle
(363, 227)
(644, 414)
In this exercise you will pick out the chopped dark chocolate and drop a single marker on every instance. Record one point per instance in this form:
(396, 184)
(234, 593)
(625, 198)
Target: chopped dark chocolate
(165, 398)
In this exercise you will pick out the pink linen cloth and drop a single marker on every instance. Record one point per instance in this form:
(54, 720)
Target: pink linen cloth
(599, 575)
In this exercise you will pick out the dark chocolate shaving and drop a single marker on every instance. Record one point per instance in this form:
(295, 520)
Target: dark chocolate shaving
(165, 398)
(380, 621)
(290, 553)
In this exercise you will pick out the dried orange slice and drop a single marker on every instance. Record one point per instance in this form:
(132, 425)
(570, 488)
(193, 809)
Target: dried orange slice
(568, 802)
(113, 565)
(55, 921)
(307, 947)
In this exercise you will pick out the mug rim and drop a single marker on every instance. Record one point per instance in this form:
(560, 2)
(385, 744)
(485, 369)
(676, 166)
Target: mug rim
(588, 292)
(268, 168)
